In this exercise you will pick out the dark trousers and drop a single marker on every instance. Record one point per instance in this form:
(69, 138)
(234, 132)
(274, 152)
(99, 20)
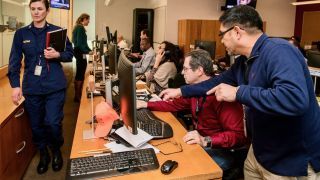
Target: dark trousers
(46, 113)
(81, 63)
(231, 161)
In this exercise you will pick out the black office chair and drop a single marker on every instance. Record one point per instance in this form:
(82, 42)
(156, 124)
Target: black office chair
(185, 115)
(313, 57)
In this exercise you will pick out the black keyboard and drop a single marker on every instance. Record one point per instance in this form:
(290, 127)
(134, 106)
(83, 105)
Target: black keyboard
(112, 164)
(154, 126)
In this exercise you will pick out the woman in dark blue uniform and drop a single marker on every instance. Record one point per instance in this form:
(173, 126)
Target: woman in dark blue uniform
(44, 83)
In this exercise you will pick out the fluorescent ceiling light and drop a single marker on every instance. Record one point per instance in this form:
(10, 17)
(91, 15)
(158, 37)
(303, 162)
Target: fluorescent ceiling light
(305, 3)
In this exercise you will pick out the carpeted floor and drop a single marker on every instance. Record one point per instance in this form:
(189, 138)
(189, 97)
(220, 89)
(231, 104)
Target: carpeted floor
(69, 121)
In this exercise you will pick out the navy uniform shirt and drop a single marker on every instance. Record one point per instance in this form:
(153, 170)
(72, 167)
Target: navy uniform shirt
(30, 43)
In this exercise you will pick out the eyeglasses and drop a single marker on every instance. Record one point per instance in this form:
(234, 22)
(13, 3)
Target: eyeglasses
(221, 34)
(185, 69)
(169, 145)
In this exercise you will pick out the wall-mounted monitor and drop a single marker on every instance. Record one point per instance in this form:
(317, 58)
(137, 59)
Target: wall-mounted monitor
(233, 3)
(61, 4)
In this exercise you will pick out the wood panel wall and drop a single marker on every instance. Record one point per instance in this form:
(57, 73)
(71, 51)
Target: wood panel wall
(206, 30)
(310, 27)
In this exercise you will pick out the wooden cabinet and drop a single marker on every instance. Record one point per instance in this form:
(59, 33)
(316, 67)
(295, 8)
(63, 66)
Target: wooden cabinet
(190, 30)
(16, 147)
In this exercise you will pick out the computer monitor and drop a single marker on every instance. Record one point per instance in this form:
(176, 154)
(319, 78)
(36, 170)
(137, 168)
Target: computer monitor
(115, 36)
(61, 4)
(100, 46)
(233, 3)
(209, 46)
(96, 42)
(112, 52)
(108, 34)
(127, 92)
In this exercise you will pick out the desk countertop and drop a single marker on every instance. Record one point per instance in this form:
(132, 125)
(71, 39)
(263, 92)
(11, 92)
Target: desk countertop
(7, 107)
(194, 162)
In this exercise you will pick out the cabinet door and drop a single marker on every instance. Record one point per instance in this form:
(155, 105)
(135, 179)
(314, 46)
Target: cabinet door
(188, 32)
(16, 148)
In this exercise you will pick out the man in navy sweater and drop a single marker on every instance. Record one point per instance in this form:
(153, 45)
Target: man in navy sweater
(271, 79)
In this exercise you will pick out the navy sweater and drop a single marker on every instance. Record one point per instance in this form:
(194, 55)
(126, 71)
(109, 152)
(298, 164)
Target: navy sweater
(282, 114)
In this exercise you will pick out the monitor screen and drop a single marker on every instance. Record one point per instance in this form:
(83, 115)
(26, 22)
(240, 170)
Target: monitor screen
(61, 4)
(209, 46)
(232, 3)
(112, 52)
(115, 36)
(101, 46)
(108, 34)
(127, 92)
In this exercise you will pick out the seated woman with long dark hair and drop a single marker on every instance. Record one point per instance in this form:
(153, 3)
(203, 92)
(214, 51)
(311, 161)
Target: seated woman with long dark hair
(165, 67)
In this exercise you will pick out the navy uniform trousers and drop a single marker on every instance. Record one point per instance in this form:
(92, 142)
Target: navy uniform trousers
(46, 114)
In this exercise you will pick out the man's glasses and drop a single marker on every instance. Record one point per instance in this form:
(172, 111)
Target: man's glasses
(169, 147)
(221, 34)
(185, 69)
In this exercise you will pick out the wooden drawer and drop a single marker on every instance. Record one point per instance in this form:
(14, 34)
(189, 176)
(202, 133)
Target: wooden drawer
(16, 148)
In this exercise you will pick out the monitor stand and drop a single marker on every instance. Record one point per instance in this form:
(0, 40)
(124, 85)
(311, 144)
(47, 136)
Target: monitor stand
(89, 133)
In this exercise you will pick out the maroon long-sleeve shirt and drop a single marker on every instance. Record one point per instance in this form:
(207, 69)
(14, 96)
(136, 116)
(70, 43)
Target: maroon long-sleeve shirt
(222, 121)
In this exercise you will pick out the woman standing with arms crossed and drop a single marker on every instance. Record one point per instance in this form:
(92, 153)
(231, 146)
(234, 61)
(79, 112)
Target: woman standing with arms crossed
(81, 48)
(44, 83)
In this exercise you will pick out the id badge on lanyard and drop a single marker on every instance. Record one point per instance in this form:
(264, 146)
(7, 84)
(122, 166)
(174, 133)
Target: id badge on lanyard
(38, 69)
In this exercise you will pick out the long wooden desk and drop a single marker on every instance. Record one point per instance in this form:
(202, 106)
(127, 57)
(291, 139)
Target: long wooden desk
(194, 162)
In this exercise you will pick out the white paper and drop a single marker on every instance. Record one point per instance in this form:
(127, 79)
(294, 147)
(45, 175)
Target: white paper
(135, 140)
(140, 82)
(115, 147)
(142, 91)
(314, 72)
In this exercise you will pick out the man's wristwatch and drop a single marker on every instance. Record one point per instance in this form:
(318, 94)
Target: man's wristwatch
(208, 140)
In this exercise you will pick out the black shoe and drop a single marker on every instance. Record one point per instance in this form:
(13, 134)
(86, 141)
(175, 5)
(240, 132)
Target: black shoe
(57, 160)
(44, 161)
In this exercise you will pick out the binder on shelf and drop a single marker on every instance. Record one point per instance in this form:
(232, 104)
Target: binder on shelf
(57, 39)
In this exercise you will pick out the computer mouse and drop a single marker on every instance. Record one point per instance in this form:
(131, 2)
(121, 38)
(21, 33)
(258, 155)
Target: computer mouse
(168, 166)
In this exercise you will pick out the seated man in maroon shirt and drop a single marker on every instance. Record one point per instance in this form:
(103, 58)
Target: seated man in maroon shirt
(219, 125)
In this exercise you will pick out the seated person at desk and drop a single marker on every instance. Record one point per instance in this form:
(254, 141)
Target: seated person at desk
(121, 42)
(148, 57)
(219, 125)
(145, 33)
(164, 68)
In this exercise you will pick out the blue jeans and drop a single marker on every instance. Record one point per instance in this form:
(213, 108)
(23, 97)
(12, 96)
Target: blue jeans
(223, 157)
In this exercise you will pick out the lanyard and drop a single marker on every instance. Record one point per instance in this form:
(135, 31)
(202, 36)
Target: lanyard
(199, 109)
(39, 63)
